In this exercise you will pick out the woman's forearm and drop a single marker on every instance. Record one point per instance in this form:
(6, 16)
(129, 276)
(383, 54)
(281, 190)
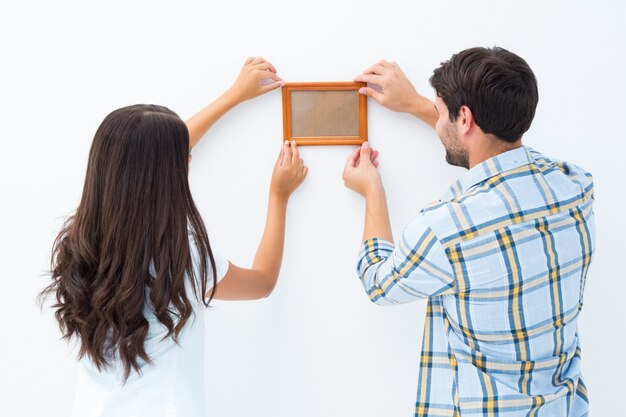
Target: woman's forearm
(251, 82)
(260, 280)
(270, 251)
(202, 121)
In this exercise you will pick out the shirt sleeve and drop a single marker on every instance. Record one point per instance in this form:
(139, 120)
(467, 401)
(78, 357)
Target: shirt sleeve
(417, 267)
(221, 265)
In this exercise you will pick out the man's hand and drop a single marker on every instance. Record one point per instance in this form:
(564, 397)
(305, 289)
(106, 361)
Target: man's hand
(398, 94)
(361, 173)
(396, 91)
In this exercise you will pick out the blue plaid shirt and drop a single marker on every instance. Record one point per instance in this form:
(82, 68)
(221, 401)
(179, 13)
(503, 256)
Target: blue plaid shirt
(502, 259)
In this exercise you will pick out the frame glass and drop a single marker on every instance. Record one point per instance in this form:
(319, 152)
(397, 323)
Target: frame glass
(324, 113)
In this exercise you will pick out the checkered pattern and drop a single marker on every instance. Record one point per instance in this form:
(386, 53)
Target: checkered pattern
(502, 259)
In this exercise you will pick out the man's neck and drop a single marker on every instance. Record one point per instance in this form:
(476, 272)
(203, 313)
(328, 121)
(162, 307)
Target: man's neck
(492, 147)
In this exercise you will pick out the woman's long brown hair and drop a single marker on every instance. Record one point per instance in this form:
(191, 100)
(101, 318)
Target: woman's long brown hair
(136, 208)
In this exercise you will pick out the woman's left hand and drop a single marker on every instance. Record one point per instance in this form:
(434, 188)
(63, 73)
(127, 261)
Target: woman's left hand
(257, 77)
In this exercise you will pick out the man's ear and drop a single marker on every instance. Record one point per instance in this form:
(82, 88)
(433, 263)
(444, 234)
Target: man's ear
(465, 119)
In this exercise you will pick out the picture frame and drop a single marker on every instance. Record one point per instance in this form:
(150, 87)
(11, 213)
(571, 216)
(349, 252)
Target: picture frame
(324, 113)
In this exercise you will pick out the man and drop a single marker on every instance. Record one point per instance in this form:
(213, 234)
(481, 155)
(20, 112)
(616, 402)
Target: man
(502, 256)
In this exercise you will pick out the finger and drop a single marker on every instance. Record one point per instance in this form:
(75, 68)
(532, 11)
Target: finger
(378, 69)
(264, 66)
(270, 81)
(257, 60)
(373, 155)
(295, 153)
(370, 78)
(375, 163)
(267, 77)
(365, 153)
(271, 86)
(304, 171)
(248, 61)
(375, 69)
(370, 92)
(353, 158)
(286, 153)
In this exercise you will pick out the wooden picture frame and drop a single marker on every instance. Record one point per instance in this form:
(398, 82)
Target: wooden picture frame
(324, 113)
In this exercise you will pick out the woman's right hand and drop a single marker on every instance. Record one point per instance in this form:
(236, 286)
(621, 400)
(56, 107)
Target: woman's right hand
(257, 77)
(260, 280)
(289, 171)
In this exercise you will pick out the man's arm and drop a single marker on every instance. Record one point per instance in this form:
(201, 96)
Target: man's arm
(257, 77)
(417, 266)
(360, 174)
(398, 94)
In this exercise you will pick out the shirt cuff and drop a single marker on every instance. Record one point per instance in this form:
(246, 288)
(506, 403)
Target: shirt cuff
(372, 251)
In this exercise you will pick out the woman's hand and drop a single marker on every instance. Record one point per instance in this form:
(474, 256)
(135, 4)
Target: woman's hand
(289, 171)
(257, 77)
(260, 280)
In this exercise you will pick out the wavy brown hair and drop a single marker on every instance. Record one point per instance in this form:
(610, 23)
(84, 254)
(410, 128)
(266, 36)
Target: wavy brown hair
(136, 209)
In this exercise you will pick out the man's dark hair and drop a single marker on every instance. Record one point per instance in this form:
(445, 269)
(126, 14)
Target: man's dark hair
(497, 85)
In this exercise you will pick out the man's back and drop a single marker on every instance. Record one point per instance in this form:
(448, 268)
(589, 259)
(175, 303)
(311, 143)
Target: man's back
(503, 258)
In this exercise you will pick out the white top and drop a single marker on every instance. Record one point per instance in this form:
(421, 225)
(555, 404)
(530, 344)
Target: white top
(173, 385)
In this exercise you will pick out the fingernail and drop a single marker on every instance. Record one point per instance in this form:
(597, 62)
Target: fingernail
(361, 90)
(365, 145)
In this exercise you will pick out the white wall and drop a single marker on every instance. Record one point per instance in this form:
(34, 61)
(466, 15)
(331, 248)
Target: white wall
(317, 346)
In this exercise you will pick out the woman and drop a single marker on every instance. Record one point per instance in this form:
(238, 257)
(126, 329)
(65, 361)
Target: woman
(132, 270)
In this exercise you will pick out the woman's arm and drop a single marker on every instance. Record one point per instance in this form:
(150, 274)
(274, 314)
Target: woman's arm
(260, 280)
(257, 77)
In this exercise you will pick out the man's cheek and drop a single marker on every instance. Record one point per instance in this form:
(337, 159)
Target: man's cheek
(438, 131)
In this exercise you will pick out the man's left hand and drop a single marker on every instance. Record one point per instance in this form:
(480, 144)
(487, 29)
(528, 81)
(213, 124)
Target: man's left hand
(361, 171)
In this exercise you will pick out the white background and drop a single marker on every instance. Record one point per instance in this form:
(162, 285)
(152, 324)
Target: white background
(317, 346)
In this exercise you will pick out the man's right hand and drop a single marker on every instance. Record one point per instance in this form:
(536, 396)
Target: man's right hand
(398, 94)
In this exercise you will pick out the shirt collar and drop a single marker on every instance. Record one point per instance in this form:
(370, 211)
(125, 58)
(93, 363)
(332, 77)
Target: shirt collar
(493, 166)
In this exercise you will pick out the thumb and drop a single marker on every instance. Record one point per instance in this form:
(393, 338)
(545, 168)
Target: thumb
(271, 82)
(370, 92)
(366, 150)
